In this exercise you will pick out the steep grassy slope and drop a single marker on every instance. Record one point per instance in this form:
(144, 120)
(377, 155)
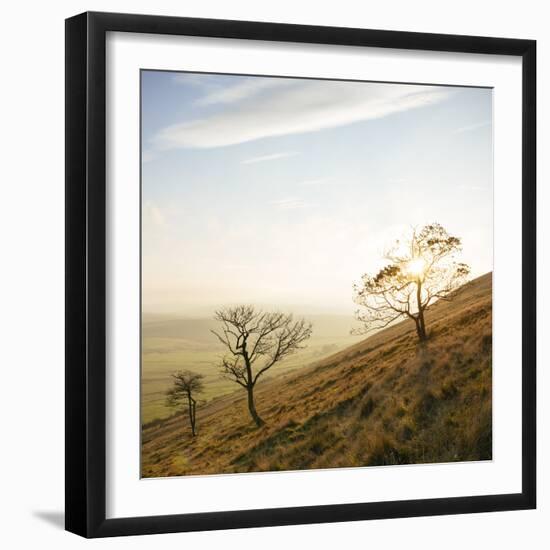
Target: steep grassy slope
(385, 400)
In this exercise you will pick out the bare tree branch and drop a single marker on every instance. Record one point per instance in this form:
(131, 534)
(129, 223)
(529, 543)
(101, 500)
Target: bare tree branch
(256, 341)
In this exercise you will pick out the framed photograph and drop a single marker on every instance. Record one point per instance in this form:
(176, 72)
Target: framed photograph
(300, 274)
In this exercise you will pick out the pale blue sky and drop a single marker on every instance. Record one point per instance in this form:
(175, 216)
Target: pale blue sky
(283, 192)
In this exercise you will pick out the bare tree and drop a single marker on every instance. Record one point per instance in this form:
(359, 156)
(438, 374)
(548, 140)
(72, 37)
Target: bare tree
(187, 384)
(256, 341)
(421, 270)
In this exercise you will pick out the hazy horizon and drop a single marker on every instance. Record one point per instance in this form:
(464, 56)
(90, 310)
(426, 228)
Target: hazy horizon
(282, 192)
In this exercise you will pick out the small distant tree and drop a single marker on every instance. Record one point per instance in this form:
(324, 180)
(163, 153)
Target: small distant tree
(187, 386)
(421, 270)
(256, 341)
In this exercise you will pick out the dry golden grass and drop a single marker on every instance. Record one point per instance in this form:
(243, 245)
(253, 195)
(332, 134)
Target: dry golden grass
(385, 400)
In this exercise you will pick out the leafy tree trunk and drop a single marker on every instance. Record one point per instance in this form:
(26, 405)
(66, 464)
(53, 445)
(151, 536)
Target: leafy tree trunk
(192, 406)
(186, 384)
(420, 323)
(194, 418)
(421, 327)
(252, 407)
(423, 333)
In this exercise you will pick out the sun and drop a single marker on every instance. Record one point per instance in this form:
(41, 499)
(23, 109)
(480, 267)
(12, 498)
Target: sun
(416, 267)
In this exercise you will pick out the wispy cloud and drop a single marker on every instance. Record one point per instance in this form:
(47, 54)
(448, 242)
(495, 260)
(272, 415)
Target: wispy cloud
(318, 181)
(244, 89)
(397, 181)
(152, 214)
(298, 107)
(471, 188)
(290, 203)
(148, 156)
(266, 158)
(472, 127)
(218, 91)
(194, 79)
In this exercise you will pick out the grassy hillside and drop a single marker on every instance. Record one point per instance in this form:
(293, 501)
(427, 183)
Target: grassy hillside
(385, 400)
(169, 344)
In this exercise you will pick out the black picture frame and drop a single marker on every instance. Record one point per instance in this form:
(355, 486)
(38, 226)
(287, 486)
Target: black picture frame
(86, 274)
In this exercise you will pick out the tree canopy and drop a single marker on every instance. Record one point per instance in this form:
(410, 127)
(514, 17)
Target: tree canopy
(187, 385)
(421, 269)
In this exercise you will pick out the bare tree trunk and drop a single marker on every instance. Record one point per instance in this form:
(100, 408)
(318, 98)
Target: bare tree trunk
(252, 407)
(250, 388)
